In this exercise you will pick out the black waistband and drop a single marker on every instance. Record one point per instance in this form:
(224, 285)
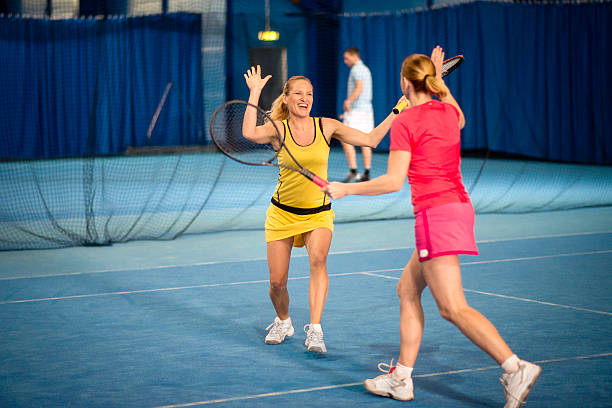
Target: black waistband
(301, 211)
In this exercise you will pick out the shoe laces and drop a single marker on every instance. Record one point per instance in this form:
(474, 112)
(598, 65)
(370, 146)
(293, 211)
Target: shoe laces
(505, 384)
(276, 327)
(313, 335)
(386, 368)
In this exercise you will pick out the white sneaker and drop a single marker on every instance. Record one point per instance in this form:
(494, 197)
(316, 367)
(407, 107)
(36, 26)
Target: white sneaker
(278, 331)
(518, 384)
(387, 385)
(314, 340)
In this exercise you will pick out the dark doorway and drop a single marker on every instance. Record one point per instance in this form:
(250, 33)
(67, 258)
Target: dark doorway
(273, 61)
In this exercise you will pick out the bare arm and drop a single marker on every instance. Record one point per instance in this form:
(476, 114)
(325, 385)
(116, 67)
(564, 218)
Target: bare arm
(259, 134)
(437, 57)
(449, 98)
(393, 180)
(356, 137)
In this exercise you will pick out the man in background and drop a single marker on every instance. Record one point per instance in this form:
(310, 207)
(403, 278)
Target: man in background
(358, 112)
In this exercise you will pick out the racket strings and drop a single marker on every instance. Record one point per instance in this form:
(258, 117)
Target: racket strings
(226, 131)
(450, 65)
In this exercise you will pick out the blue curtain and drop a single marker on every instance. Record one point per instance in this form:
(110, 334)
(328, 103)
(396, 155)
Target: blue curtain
(533, 83)
(91, 86)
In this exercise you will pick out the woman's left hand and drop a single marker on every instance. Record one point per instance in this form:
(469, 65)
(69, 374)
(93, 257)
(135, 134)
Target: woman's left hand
(336, 190)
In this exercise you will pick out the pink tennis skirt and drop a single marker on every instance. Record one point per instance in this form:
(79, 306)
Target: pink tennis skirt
(445, 230)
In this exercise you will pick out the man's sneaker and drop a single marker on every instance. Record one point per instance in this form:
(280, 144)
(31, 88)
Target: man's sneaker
(364, 177)
(314, 340)
(518, 384)
(387, 385)
(351, 177)
(278, 331)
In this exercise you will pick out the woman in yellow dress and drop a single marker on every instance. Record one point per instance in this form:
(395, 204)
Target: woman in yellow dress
(300, 214)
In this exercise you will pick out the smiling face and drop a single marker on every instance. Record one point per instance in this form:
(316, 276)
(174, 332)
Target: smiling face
(299, 98)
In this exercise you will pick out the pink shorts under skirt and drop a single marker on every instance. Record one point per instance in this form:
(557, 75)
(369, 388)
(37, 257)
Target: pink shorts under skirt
(445, 230)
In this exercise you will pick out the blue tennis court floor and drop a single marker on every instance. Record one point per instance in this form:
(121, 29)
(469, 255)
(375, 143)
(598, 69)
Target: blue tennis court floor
(181, 323)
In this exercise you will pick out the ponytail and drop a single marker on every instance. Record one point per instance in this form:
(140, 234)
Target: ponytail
(279, 110)
(420, 70)
(435, 86)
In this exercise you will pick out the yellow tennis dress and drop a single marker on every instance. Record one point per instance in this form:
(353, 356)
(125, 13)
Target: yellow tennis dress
(298, 205)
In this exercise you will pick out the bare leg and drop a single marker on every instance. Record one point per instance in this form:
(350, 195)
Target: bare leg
(351, 155)
(367, 157)
(443, 276)
(317, 244)
(279, 254)
(412, 321)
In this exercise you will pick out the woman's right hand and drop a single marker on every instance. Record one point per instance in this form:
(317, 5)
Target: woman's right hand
(437, 57)
(254, 80)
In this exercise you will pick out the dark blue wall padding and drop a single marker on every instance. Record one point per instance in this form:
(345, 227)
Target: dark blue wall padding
(91, 86)
(533, 83)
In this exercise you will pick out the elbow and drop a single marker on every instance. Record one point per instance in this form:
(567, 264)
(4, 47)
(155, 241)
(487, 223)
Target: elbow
(373, 141)
(396, 185)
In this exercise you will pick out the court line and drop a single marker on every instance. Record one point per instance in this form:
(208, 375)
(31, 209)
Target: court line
(375, 273)
(158, 267)
(131, 292)
(507, 297)
(581, 309)
(330, 387)
(538, 302)
(484, 241)
(529, 258)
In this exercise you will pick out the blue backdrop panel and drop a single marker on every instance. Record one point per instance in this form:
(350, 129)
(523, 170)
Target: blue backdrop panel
(533, 82)
(90, 86)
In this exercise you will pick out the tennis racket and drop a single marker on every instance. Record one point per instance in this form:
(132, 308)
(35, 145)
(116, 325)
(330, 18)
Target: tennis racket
(226, 133)
(448, 66)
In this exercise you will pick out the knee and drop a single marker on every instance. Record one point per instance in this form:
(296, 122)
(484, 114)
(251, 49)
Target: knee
(407, 293)
(318, 262)
(278, 285)
(453, 313)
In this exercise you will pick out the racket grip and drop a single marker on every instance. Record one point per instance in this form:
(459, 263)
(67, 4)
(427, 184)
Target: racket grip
(319, 181)
(400, 106)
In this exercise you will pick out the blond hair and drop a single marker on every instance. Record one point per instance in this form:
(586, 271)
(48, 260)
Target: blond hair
(421, 72)
(279, 110)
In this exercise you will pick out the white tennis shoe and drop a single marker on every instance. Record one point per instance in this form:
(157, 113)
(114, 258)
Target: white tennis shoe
(387, 385)
(518, 384)
(314, 339)
(278, 331)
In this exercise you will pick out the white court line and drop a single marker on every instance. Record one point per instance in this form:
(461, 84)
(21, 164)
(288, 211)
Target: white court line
(147, 268)
(206, 285)
(538, 302)
(330, 387)
(530, 258)
(374, 273)
(581, 309)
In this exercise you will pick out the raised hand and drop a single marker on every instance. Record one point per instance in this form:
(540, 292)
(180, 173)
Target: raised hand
(254, 80)
(437, 57)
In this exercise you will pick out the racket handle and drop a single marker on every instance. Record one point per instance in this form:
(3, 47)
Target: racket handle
(400, 106)
(319, 181)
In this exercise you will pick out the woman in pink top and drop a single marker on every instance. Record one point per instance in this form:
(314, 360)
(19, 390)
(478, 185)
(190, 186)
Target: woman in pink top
(425, 143)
